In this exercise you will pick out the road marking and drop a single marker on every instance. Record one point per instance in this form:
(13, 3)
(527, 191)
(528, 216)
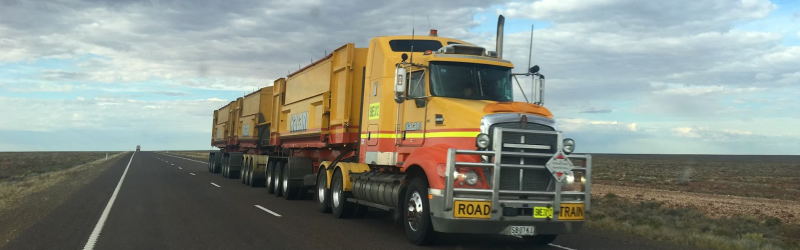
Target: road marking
(215, 184)
(191, 173)
(99, 227)
(562, 247)
(268, 211)
(180, 168)
(189, 159)
(173, 164)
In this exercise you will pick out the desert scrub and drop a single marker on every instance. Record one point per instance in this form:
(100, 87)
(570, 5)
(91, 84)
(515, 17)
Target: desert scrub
(690, 226)
(11, 189)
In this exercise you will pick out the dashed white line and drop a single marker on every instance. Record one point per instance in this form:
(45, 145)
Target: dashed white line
(99, 227)
(562, 247)
(268, 211)
(180, 168)
(191, 173)
(215, 184)
(173, 164)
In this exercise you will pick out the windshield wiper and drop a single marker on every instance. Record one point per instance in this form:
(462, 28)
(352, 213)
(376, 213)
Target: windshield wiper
(480, 83)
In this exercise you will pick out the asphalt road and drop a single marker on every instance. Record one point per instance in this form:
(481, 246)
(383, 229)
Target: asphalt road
(167, 202)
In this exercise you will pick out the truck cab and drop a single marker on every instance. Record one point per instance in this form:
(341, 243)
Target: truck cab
(475, 160)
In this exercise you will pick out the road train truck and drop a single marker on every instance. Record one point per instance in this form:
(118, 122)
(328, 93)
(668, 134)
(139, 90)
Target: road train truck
(423, 126)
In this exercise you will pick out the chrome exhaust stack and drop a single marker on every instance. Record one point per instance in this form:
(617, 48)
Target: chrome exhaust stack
(499, 42)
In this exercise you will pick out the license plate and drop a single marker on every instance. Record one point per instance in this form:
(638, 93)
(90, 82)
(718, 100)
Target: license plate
(522, 230)
(568, 212)
(472, 209)
(571, 212)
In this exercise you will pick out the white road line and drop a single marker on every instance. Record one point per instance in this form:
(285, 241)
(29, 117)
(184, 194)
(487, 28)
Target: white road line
(562, 247)
(215, 184)
(180, 168)
(99, 226)
(188, 159)
(268, 211)
(173, 164)
(191, 173)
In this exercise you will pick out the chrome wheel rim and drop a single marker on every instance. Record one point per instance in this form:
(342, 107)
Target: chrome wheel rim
(415, 211)
(285, 181)
(321, 189)
(269, 177)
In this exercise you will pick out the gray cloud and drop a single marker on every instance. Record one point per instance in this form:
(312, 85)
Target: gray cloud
(595, 111)
(599, 54)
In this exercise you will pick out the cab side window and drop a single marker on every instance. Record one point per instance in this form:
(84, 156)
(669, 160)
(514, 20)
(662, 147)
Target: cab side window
(416, 86)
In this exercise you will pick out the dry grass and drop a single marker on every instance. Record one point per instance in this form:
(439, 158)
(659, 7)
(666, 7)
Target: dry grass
(18, 165)
(692, 227)
(772, 177)
(33, 181)
(197, 155)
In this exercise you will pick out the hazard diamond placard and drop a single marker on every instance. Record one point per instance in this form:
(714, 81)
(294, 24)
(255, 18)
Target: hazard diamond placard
(560, 166)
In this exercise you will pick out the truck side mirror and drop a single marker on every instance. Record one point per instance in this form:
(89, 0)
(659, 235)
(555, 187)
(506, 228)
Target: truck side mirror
(400, 83)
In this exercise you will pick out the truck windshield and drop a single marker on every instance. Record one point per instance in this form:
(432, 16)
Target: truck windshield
(471, 81)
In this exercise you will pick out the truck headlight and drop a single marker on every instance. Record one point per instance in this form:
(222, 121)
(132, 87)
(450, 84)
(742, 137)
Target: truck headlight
(471, 178)
(482, 141)
(569, 146)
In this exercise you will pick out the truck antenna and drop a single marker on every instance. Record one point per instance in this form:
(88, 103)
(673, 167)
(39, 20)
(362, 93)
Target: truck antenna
(429, 22)
(530, 49)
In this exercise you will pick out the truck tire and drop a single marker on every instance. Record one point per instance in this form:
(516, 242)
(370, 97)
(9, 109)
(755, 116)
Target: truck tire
(340, 207)
(278, 179)
(290, 191)
(323, 194)
(244, 174)
(417, 216)
(540, 240)
(270, 173)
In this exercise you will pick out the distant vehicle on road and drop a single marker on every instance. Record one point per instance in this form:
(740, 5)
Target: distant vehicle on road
(138, 148)
(424, 126)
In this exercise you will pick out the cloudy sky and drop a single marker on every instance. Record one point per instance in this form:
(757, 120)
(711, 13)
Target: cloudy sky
(624, 76)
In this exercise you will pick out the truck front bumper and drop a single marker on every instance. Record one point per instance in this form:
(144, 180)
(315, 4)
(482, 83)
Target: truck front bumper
(446, 223)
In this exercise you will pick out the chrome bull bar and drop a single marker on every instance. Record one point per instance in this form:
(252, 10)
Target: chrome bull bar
(554, 197)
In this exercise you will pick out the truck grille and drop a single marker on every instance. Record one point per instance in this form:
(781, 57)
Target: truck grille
(532, 179)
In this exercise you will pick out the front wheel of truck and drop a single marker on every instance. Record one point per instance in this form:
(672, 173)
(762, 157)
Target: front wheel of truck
(417, 214)
(540, 240)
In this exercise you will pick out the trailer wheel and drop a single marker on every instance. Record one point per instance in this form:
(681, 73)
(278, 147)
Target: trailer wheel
(270, 174)
(417, 216)
(340, 207)
(323, 196)
(290, 192)
(244, 174)
(540, 240)
(279, 179)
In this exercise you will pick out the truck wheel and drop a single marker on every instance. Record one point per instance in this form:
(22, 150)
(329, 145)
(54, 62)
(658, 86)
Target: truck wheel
(290, 191)
(244, 174)
(279, 179)
(224, 170)
(323, 196)
(270, 173)
(249, 177)
(540, 240)
(340, 207)
(417, 216)
(248, 171)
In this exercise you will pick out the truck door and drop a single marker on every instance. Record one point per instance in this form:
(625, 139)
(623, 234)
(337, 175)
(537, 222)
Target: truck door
(412, 128)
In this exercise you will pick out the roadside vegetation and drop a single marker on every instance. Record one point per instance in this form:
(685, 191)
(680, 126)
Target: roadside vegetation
(201, 155)
(689, 226)
(759, 176)
(25, 173)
